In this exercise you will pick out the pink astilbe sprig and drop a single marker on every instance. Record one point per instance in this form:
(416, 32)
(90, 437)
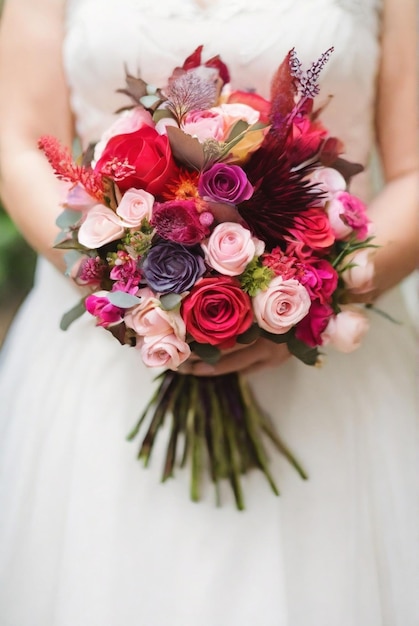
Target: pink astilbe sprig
(67, 169)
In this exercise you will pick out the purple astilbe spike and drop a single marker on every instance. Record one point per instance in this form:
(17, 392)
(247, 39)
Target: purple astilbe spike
(295, 65)
(308, 81)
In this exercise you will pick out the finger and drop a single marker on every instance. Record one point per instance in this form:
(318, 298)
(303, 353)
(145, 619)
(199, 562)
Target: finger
(232, 362)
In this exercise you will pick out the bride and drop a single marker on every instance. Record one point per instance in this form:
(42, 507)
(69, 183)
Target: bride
(88, 537)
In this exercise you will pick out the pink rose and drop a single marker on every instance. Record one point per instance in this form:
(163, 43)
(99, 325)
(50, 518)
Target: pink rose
(347, 215)
(135, 206)
(281, 306)
(310, 329)
(152, 320)
(127, 122)
(164, 351)
(204, 125)
(254, 100)
(235, 111)
(312, 228)
(230, 248)
(359, 278)
(346, 330)
(100, 226)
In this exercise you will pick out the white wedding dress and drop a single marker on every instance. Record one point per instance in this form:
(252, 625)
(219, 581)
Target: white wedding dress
(91, 538)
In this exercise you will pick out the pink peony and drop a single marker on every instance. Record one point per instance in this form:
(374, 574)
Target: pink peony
(164, 351)
(100, 226)
(347, 215)
(235, 111)
(320, 279)
(281, 306)
(346, 330)
(230, 248)
(135, 206)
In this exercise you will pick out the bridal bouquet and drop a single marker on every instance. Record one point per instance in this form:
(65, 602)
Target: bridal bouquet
(206, 217)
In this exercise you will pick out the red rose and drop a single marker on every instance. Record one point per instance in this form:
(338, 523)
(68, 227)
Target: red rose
(148, 152)
(216, 311)
(312, 228)
(305, 139)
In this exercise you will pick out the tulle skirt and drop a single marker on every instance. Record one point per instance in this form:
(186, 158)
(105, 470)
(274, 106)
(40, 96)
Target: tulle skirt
(89, 537)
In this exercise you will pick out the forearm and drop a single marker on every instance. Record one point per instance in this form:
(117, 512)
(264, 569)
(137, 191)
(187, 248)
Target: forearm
(395, 214)
(31, 195)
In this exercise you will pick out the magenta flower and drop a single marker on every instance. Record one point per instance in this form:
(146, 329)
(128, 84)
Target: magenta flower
(310, 328)
(126, 273)
(179, 221)
(225, 183)
(105, 312)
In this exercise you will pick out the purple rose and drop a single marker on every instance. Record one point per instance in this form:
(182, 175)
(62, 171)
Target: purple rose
(225, 183)
(172, 268)
(179, 221)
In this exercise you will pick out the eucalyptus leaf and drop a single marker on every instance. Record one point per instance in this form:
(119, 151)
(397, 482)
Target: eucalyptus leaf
(67, 219)
(170, 301)
(123, 299)
(71, 258)
(73, 314)
(206, 352)
(149, 100)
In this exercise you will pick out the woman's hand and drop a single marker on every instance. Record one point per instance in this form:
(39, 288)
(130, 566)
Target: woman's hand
(245, 359)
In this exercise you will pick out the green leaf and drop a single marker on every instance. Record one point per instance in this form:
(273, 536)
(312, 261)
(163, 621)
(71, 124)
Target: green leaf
(73, 314)
(206, 352)
(284, 338)
(68, 218)
(238, 129)
(170, 301)
(250, 335)
(122, 299)
(302, 351)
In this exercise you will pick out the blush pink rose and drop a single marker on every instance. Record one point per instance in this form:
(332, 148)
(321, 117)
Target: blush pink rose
(204, 125)
(360, 278)
(127, 122)
(230, 248)
(346, 330)
(164, 351)
(154, 321)
(235, 111)
(100, 226)
(282, 305)
(135, 206)
(347, 215)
